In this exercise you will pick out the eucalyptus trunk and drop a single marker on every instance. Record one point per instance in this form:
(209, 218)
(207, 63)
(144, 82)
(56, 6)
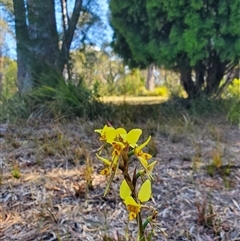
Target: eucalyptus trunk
(40, 55)
(43, 39)
(24, 82)
(150, 83)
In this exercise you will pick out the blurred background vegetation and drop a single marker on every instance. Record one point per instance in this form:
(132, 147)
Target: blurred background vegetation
(63, 58)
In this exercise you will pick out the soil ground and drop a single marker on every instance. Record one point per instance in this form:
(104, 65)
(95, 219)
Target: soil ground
(59, 194)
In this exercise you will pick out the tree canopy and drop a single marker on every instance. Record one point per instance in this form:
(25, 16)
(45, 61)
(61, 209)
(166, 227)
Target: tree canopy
(187, 36)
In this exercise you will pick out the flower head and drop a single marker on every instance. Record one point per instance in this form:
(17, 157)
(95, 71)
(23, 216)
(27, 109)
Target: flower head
(108, 133)
(144, 195)
(133, 207)
(131, 138)
(110, 165)
(143, 157)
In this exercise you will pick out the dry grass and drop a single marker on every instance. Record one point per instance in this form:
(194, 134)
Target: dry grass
(59, 193)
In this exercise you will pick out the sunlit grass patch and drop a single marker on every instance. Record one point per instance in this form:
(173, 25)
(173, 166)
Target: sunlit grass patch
(133, 99)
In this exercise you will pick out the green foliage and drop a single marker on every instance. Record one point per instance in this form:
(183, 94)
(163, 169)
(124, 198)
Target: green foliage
(130, 84)
(105, 74)
(9, 78)
(186, 36)
(99, 69)
(131, 31)
(234, 113)
(192, 28)
(63, 100)
(66, 99)
(204, 107)
(14, 108)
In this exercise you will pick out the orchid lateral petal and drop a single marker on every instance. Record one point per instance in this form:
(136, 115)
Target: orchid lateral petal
(151, 166)
(104, 160)
(144, 164)
(101, 130)
(145, 191)
(143, 161)
(105, 171)
(139, 148)
(98, 131)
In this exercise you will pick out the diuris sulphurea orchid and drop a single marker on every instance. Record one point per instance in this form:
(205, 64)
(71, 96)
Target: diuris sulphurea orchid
(125, 144)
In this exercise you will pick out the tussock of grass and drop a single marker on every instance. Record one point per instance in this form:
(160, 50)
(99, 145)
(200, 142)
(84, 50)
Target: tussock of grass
(65, 100)
(234, 113)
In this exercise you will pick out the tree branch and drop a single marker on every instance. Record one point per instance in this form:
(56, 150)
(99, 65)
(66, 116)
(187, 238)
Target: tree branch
(65, 24)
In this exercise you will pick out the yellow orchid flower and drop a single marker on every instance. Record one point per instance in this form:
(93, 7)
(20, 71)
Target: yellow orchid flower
(132, 137)
(133, 207)
(143, 156)
(139, 153)
(102, 132)
(111, 165)
(144, 195)
(108, 133)
(111, 169)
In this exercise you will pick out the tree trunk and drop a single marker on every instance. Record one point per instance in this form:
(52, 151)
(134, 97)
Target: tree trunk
(187, 82)
(199, 73)
(43, 38)
(40, 58)
(215, 73)
(150, 83)
(1, 73)
(24, 82)
(236, 73)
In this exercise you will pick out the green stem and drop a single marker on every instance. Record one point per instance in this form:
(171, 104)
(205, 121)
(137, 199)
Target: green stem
(140, 228)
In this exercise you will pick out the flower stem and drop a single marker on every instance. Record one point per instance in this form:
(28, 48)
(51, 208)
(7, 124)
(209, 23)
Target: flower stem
(140, 228)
